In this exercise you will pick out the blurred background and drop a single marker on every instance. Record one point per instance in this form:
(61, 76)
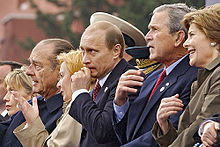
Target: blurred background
(23, 23)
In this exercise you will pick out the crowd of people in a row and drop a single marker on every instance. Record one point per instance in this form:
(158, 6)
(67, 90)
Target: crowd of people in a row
(119, 88)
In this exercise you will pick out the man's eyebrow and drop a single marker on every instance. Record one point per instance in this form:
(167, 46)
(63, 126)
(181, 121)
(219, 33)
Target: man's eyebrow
(152, 26)
(35, 62)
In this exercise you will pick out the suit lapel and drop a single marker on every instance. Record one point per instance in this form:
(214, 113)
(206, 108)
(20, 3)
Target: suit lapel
(140, 101)
(158, 94)
(101, 94)
(112, 78)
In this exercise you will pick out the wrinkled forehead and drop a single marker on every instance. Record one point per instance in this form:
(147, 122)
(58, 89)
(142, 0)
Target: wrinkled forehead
(160, 17)
(64, 68)
(92, 36)
(42, 53)
(100, 27)
(159, 20)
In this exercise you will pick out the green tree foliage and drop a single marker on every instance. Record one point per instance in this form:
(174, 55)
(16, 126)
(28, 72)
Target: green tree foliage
(137, 12)
(28, 44)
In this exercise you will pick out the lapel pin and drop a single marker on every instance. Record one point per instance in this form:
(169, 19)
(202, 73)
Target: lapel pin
(162, 89)
(106, 88)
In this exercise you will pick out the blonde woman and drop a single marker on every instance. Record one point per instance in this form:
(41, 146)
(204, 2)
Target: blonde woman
(67, 132)
(16, 80)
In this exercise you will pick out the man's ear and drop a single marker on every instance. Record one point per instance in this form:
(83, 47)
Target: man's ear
(180, 38)
(117, 50)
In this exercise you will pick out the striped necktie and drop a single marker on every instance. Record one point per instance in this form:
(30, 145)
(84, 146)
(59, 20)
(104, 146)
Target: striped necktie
(159, 80)
(96, 90)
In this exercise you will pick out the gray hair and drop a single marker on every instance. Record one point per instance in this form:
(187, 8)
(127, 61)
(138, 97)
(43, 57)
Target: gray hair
(175, 15)
(60, 46)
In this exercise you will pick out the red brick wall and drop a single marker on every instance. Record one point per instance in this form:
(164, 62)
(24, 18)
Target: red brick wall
(18, 29)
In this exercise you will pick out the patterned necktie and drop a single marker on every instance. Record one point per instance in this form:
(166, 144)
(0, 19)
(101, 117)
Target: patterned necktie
(96, 90)
(160, 79)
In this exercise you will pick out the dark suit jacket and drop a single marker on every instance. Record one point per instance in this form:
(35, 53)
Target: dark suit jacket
(50, 110)
(215, 118)
(135, 128)
(96, 117)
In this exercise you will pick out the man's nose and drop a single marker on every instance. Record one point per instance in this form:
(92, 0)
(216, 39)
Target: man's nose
(29, 70)
(86, 59)
(148, 36)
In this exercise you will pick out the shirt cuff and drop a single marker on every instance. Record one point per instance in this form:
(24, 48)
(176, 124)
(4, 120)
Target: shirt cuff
(120, 110)
(78, 92)
(201, 127)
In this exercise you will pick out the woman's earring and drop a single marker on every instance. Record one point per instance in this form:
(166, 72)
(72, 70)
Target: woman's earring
(213, 44)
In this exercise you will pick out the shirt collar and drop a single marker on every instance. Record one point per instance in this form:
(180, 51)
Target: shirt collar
(52, 103)
(172, 66)
(213, 64)
(4, 113)
(102, 81)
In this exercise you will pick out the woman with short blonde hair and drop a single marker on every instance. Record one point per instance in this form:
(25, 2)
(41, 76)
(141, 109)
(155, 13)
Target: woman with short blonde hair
(16, 80)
